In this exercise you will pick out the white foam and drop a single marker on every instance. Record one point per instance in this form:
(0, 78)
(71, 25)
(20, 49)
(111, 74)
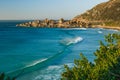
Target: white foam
(100, 32)
(79, 28)
(36, 62)
(70, 64)
(29, 65)
(51, 73)
(47, 77)
(54, 67)
(114, 30)
(68, 41)
(101, 28)
(75, 29)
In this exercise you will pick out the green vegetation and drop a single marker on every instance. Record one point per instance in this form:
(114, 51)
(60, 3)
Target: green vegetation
(4, 77)
(112, 23)
(106, 65)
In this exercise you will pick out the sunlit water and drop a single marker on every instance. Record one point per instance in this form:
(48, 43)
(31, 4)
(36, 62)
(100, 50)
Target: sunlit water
(40, 53)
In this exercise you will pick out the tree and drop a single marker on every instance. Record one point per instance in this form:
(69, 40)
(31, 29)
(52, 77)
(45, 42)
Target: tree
(106, 65)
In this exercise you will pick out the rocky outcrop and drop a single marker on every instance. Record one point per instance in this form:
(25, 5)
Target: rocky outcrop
(61, 23)
(104, 14)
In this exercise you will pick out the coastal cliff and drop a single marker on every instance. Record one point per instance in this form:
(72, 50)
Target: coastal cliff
(106, 14)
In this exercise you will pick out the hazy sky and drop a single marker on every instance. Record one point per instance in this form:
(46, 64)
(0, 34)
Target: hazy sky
(40, 9)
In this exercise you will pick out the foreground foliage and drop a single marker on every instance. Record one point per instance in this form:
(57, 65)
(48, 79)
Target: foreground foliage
(106, 66)
(4, 77)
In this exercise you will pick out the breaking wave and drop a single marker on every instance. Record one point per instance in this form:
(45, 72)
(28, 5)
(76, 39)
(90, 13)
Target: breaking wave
(52, 72)
(42, 63)
(69, 41)
(36, 62)
(28, 68)
(100, 32)
(75, 29)
(37, 65)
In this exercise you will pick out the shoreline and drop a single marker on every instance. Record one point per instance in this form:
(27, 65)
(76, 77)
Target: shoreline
(107, 27)
(103, 27)
(61, 23)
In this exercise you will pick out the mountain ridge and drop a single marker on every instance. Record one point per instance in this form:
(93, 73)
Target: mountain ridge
(108, 13)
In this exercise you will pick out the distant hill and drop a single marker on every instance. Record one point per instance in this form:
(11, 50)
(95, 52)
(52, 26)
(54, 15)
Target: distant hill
(104, 15)
(108, 13)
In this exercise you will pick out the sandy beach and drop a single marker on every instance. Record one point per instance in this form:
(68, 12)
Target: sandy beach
(107, 27)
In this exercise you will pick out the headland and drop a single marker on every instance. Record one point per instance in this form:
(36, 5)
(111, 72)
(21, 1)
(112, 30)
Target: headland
(104, 15)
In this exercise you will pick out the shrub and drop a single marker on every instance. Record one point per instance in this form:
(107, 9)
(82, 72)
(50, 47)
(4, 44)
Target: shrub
(106, 65)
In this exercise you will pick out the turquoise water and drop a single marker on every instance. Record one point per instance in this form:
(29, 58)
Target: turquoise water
(40, 53)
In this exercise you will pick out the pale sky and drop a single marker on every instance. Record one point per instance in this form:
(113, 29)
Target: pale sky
(40, 9)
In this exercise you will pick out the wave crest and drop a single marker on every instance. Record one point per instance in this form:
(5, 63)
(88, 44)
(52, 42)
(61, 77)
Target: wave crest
(69, 41)
(100, 32)
(36, 62)
(75, 29)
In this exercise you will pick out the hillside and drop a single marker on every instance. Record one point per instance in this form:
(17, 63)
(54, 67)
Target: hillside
(108, 13)
(104, 15)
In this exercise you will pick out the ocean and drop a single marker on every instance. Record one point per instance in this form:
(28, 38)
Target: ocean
(40, 53)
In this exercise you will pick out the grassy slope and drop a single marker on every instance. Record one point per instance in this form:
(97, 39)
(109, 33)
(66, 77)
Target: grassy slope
(107, 12)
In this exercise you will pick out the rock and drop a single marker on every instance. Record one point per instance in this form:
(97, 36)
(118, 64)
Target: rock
(61, 23)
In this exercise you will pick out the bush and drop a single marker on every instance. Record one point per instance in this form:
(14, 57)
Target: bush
(106, 65)
(3, 76)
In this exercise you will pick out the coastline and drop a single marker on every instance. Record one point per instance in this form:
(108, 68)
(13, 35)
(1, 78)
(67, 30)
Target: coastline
(107, 27)
(61, 23)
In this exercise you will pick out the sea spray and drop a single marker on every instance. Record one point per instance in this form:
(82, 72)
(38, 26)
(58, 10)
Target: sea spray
(69, 41)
